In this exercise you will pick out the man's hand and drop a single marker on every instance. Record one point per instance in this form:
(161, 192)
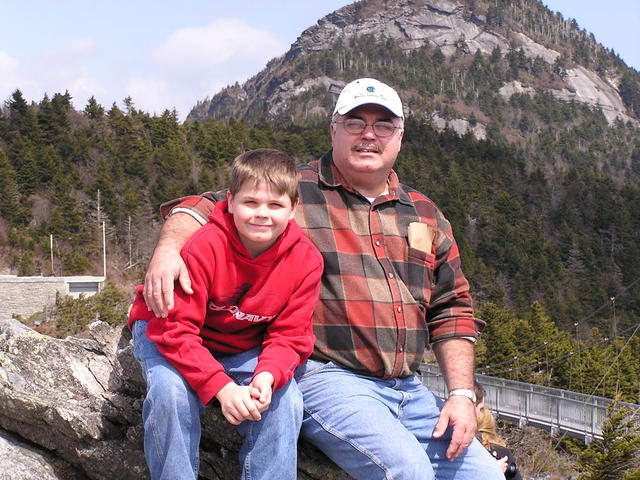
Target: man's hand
(263, 383)
(455, 357)
(167, 266)
(459, 413)
(238, 403)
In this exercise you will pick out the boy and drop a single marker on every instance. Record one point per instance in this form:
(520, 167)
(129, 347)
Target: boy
(241, 334)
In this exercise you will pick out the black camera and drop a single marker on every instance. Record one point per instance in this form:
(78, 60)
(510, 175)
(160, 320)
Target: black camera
(512, 469)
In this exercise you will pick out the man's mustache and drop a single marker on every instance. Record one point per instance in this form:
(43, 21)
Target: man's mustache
(368, 146)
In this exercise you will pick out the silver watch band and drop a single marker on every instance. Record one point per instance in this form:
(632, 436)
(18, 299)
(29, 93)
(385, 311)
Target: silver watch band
(463, 392)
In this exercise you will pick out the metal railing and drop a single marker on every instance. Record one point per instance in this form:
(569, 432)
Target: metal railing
(556, 410)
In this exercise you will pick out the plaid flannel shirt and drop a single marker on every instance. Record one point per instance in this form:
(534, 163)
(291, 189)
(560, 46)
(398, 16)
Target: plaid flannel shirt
(381, 300)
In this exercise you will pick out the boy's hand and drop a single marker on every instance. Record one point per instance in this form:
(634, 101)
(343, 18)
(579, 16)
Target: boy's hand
(263, 383)
(238, 403)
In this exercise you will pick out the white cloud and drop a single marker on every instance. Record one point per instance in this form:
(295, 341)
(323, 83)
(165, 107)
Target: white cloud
(55, 70)
(149, 94)
(186, 66)
(72, 52)
(197, 62)
(83, 87)
(80, 46)
(207, 47)
(8, 76)
(8, 64)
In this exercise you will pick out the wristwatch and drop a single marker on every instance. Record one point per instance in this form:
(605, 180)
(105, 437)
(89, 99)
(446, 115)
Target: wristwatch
(463, 392)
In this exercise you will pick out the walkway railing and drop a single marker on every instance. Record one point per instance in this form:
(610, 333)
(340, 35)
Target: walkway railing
(556, 410)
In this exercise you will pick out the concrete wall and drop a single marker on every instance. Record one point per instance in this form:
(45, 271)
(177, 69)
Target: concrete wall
(28, 295)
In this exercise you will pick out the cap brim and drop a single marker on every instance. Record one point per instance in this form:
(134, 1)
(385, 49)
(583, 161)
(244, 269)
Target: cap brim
(365, 101)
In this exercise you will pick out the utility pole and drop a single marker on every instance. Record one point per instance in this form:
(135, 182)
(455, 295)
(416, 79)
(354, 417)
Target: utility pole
(129, 240)
(104, 252)
(51, 248)
(614, 319)
(98, 210)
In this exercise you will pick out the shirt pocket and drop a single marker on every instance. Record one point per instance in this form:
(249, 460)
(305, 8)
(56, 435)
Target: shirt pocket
(419, 276)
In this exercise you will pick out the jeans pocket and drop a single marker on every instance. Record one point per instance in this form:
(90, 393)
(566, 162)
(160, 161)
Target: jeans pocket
(313, 367)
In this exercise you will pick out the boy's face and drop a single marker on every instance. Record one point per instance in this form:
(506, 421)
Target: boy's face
(260, 215)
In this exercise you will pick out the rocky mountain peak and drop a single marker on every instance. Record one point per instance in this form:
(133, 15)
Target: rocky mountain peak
(410, 24)
(304, 82)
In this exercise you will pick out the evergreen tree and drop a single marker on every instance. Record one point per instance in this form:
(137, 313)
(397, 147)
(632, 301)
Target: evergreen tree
(93, 109)
(22, 118)
(23, 156)
(498, 342)
(617, 455)
(10, 206)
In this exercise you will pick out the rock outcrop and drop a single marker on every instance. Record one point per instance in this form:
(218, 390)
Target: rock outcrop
(461, 126)
(280, 90)
(411, 24)
(71, 409)
(586, 86)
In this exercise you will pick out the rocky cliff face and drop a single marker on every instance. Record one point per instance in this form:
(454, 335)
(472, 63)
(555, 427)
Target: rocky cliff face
(71, 409)
(451, 26)
(411, 24)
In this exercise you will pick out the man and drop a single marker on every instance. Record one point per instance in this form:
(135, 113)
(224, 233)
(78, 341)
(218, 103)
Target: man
(392, 283)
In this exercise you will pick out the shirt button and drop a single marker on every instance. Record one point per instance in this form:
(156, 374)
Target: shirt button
(390, 275)
(401, 349)
(399, 309)
(377, 243)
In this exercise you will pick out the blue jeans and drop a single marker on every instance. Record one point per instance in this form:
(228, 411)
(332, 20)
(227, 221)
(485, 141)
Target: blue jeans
(381, 429)
(171, 415)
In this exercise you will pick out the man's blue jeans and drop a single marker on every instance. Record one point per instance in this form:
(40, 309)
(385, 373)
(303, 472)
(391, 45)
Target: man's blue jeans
(171, 414)
(381, 429)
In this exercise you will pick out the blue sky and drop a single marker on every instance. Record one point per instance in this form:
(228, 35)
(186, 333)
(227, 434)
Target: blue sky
(167, 54)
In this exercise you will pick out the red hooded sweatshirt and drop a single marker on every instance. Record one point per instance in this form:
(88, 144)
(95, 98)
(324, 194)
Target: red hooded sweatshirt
(238, 303)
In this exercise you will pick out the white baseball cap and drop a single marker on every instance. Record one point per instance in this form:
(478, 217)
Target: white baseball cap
(368, 90)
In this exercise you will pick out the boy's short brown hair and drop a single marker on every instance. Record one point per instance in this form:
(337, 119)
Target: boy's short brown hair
(266, 165)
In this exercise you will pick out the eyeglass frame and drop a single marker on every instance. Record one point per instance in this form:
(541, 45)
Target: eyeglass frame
(365, 125)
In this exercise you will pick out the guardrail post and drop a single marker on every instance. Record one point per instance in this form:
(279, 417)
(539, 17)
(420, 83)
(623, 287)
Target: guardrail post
(593, 420)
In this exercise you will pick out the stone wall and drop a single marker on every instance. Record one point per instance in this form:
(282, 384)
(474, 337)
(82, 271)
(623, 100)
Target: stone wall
(27, 295)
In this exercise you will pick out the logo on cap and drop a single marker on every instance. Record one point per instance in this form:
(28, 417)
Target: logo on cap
(371, 89)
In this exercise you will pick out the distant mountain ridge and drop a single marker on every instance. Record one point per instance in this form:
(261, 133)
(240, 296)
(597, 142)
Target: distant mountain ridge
(558, 58)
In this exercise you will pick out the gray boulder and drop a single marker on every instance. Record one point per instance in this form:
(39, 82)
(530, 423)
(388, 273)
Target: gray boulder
(71, 409)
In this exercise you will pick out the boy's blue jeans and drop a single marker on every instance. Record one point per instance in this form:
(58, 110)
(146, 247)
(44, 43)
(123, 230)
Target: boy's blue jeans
(171, 415)
(381, 429)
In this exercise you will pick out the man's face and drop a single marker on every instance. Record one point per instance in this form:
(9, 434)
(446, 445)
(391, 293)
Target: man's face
(366, 157)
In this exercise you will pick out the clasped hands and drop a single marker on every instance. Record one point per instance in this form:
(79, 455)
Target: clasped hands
(246, 402)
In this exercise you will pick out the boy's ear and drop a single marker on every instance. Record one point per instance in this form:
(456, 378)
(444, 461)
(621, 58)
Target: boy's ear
(229, 199)
(293, 209)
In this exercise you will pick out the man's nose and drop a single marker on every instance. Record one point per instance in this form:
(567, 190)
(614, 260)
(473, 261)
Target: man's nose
(368, 132)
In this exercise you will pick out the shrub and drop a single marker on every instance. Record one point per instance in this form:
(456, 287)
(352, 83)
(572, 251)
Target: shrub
(70, 316)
